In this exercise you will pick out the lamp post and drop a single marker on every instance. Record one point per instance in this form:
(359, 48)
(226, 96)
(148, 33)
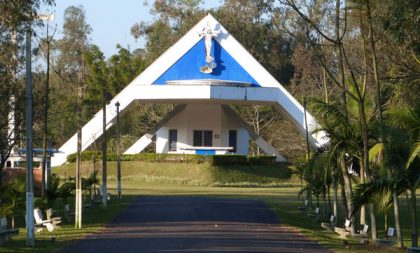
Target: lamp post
(104, 149)
(47, 17)
(118, 150)
(30, 234)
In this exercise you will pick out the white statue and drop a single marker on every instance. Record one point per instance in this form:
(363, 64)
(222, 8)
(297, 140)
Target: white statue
(208, 34)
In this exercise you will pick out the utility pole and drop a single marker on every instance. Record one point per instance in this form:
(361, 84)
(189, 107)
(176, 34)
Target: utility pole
(47, 17)
(30, 235)
(118, 150)
(78, 207)
(104, 148)
(79, 199)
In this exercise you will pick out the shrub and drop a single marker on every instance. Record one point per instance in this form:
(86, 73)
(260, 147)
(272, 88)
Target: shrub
(180, 158)
(261, 160)
(86, 156)
(228, 159)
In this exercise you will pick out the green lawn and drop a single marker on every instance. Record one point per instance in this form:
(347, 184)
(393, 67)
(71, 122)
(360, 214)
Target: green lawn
(283, 201)
(193, 174)
(94, 218)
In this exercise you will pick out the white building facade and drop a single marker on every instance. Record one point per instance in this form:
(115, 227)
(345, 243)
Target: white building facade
(202, 129)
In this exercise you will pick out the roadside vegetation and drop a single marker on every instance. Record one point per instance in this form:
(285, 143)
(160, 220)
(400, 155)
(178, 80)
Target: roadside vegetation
(194, 174)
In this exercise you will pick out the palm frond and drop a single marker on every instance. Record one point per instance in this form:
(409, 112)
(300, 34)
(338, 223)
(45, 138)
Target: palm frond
(415, 153)
(376, 153)
(377, 191)
(329, 114)
(405, 117)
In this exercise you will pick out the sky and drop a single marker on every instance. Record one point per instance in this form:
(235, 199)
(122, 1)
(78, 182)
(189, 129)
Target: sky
(110, 20)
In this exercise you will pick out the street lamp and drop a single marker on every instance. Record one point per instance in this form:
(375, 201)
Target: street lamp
(46, 17)
(118, 150)
(104, 148)
(30, 233)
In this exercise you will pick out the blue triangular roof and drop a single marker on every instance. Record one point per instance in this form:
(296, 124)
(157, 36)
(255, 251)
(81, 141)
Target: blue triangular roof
(188, 66)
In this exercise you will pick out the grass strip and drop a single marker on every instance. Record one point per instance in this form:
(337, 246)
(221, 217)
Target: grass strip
(94, 219)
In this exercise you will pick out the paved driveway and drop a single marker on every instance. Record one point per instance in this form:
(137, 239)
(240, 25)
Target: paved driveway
(195, 224)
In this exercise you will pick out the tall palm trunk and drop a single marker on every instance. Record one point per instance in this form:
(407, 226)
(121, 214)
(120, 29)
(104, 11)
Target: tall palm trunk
(365, 159)
(339, 53)
(414, 235)
(363, 207)
(400, 242)
(348, 193)
(324, 203)
(344, 201)
(329, 198)
(335, 201)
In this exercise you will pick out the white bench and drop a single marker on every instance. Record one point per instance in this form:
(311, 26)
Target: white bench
(329, 225)
(50, 216)
(389, 241)
(343, 232)
(305, 207)
(40, 223)
(363, 235)
(314, 214)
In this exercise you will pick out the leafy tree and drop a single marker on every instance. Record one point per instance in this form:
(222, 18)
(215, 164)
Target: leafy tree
(71, 70)
(96, 79)
(174, 19)
(344, 143)
(392, 154)
(15, 16)
(13, 198)
(123, 68)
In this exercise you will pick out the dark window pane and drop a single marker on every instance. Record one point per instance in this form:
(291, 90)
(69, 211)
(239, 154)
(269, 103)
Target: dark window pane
(198, 138)
(208, 138)
(232, 140)
(173, 138)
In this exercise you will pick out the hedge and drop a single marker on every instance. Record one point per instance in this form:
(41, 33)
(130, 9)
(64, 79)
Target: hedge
(262, 160)
(181, 158)
(228, 159)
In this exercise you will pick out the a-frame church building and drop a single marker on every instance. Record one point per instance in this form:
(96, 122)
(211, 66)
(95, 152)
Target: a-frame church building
(204, 73)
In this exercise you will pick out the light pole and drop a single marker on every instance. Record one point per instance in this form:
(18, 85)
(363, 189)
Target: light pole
(30, 235)
(118, 150)
(78, 197)
(104, 149)
(47, 17)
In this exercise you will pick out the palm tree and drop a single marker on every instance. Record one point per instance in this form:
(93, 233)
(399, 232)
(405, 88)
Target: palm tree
(13, 198)
(408, 119)
(344, 140)
(90, 183)
(52, 191)
(402, 174)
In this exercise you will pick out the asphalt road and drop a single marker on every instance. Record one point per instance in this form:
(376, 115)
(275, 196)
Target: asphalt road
(195, 224)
